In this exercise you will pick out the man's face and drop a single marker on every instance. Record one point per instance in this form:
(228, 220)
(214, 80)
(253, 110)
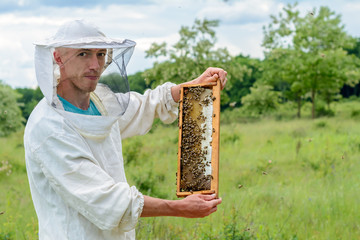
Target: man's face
(80, 68)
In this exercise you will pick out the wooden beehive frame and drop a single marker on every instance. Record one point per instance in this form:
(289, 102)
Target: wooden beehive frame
(215, 137)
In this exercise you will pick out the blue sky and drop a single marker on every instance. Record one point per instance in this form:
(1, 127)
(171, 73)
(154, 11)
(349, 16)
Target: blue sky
(23, 22)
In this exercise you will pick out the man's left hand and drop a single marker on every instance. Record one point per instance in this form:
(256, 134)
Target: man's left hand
(210, 76)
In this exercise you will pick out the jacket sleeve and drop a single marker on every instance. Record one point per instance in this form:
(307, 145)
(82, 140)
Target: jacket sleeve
(78, 179)
(143, 109)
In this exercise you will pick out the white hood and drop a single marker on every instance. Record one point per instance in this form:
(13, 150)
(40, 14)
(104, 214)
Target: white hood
(80, 34)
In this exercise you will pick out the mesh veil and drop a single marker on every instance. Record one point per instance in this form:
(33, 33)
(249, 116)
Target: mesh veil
(111, 93)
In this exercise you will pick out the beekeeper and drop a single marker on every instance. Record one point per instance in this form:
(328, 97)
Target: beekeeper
(73, 138)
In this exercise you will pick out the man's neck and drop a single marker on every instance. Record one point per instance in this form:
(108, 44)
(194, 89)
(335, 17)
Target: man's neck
(77, 98)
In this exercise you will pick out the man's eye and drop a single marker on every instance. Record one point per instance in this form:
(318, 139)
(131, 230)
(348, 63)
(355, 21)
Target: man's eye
(82, 54)
(101, 54)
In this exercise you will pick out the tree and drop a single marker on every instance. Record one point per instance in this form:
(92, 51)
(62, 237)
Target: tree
(117, 83)
(28, 100)
(260, 100)
(240, 87)
(348, 90)
(190, 56)
(307, 53)
(282, 69)
(355, 50)
(10, 113)
(137, 83)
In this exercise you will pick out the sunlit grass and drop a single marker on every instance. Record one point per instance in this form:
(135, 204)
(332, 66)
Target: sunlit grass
(18, 219)
(281, 180)
(288, 179)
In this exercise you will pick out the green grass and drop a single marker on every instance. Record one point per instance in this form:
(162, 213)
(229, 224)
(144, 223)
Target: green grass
(300, 180)
(18, 219)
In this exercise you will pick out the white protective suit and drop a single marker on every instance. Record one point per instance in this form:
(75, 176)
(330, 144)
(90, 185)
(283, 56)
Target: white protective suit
(74, 162)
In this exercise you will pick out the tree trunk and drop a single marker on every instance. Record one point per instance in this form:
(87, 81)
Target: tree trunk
(328, 103)
(313, 103)
(299, 107)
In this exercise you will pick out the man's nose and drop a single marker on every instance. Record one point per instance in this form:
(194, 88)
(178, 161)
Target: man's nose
(94, 63)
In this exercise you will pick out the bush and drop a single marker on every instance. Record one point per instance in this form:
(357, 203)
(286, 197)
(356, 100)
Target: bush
(355, 113)
(10, 113)
(322, 111)
(261, 100)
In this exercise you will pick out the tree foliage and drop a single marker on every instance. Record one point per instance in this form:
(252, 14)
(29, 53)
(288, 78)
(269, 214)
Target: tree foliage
(261, 100)
(349, 90)
(10, 113)
(28, 100)
(355, 50)
(192, 55)
(117, 83)
(240, 87)
(137, 83)
(305, 55)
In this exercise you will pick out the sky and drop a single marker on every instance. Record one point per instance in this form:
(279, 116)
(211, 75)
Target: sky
(23, 22)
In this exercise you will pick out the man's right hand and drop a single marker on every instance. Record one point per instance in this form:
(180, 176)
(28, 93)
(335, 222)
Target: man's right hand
(193, 206)
(198, 205)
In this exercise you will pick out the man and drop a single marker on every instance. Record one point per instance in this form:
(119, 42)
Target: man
(73, 138)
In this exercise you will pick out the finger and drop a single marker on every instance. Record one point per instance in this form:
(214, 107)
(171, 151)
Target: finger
(222, 74)
(207, 197)
(213, 70)
(214, 209)
(223, 83)
(216, 202)
(215, 77)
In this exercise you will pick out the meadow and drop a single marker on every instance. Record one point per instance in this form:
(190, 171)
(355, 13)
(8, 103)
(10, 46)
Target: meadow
(280, 178)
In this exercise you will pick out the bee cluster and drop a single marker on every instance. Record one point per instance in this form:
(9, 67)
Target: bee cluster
(193, 159)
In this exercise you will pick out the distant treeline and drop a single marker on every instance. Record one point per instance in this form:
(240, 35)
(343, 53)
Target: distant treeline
(308, 58)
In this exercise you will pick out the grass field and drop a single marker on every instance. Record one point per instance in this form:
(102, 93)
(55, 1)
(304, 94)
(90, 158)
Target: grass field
(289, 179)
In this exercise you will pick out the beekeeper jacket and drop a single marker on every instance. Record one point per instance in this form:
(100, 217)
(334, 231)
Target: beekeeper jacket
(76, 170)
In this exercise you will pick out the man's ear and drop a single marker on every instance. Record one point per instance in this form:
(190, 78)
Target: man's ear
(57, 57)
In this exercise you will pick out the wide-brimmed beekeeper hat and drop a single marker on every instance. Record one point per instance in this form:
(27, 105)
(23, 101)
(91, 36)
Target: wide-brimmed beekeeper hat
(79, 34)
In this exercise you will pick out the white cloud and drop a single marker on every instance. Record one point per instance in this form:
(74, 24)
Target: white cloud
(246, 39)
(239, 12)
(240, 29)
